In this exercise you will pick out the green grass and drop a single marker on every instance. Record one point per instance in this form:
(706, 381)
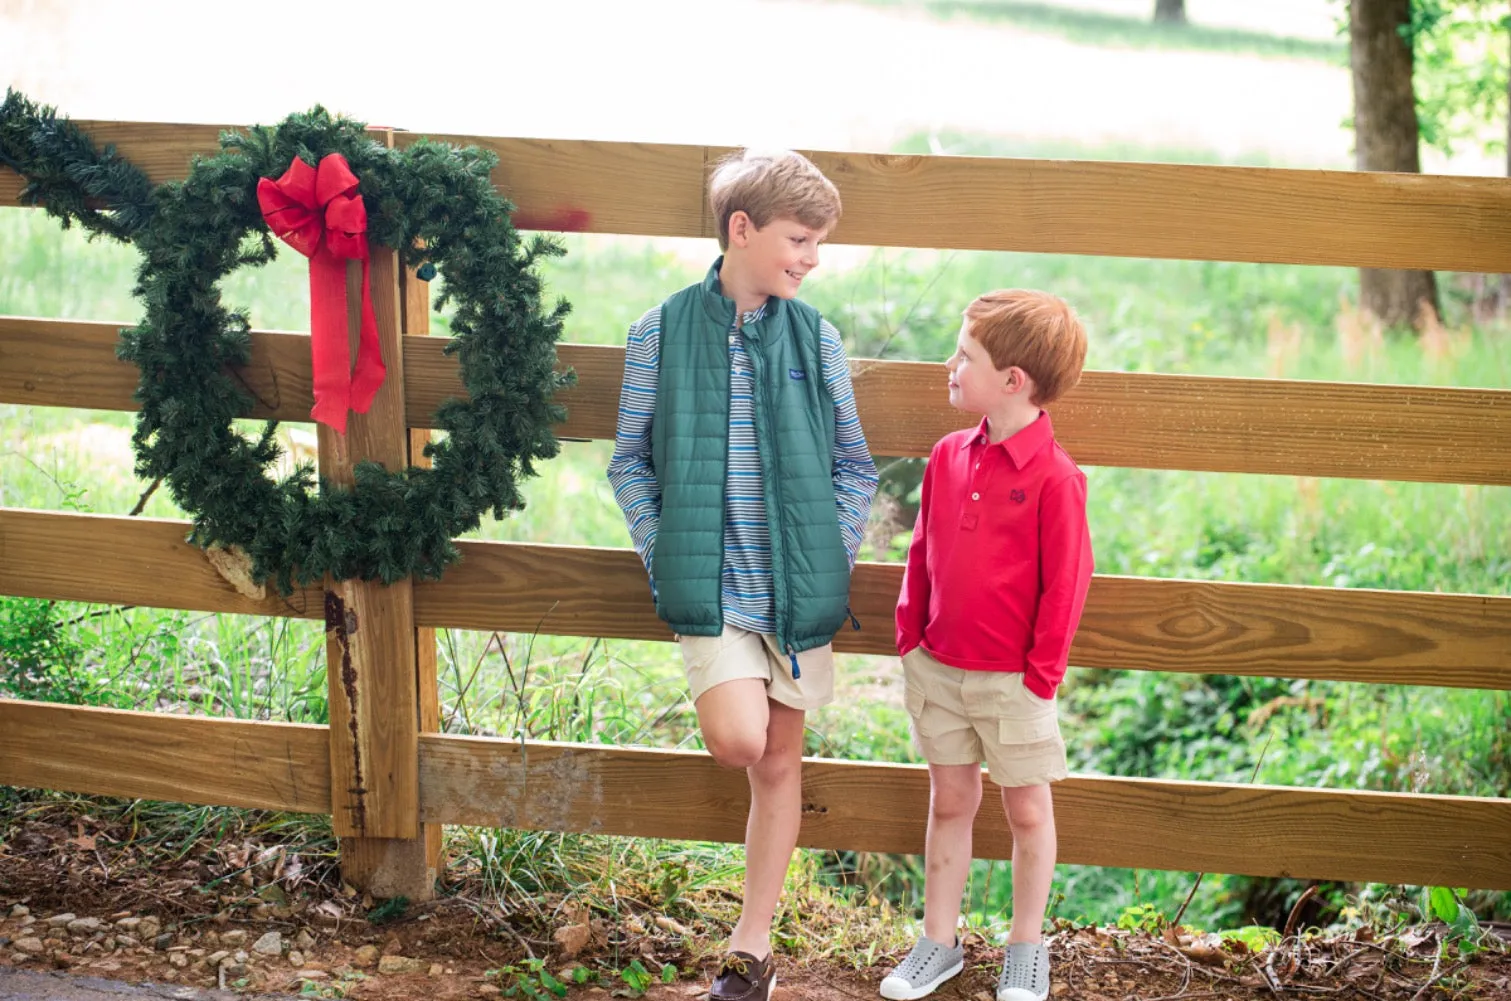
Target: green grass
(1107, 30)
(1155, 316)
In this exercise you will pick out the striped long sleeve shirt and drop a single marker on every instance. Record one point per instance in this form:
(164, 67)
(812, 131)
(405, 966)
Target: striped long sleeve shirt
(746, 592)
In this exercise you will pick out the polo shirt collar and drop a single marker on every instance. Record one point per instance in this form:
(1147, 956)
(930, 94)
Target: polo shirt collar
(1022, 446)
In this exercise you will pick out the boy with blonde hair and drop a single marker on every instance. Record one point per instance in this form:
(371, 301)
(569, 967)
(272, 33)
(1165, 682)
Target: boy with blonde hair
(997, 576)
(746, 482)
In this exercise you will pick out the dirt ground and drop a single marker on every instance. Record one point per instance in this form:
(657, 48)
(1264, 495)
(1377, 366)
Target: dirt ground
(78, 897)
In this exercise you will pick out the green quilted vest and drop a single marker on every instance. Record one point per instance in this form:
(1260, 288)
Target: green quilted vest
(794, 417)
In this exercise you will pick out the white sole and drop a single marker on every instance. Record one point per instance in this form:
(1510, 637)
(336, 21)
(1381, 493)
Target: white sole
(903, 992)
(1019, 994)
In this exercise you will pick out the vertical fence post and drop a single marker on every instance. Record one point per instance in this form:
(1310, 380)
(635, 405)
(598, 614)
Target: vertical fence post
(414, 316)
(371, 653)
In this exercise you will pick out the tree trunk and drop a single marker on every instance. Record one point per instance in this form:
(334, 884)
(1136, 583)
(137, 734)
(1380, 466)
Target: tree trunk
(1386, 138)
(1170, 11)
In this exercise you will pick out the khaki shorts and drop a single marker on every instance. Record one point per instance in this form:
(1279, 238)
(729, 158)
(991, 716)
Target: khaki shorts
(967, 717)
(739, 653)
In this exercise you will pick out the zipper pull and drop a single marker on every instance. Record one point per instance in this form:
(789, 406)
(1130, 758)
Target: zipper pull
(854, 622)
(792, 655)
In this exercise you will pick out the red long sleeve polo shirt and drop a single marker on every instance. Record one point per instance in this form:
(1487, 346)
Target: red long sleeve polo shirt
(1001, 557)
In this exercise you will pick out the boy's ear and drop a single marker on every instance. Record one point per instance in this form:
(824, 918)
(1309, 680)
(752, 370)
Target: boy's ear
(1017, 380)
(740, 227)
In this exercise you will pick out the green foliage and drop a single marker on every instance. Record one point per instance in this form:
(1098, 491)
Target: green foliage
(391, 525)
(1141, 917)
(1460, 51)
(636, 977)
(1256, 937)
(388, 910)
(1448, 906)
(530, 979)
(68, 176)
(40, 654)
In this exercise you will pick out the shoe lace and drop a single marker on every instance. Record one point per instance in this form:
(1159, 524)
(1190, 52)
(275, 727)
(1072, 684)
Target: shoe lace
(735, 964)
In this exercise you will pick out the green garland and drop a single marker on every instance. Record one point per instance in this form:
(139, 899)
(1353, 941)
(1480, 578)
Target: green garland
(193, 233)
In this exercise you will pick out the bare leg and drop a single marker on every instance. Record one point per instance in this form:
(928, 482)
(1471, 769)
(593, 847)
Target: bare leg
(1031, 815)
(733, 717)
(776, 801)
(954, 796)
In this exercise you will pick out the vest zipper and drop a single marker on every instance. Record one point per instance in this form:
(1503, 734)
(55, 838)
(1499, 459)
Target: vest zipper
(774, 519)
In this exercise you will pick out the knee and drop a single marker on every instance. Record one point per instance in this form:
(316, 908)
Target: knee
(777, 770)
(736, 750)
(954, 802)
(1027, 818)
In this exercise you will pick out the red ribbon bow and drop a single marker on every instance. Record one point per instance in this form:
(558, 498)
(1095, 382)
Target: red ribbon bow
(320, 214)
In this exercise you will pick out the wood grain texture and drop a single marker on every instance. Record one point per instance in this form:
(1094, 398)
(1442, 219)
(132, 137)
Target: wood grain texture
(414, 319)
(1283, 427)
(184, 759)
(1053, 206)
(125, 561)
(1201, 627)
(985, 203)
(1194, 826)
(72, 363)
(370, 627)
(1130, 623)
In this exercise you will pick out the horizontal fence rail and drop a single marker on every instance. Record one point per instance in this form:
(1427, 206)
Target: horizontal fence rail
(1148, 421)
(1133, 623)
(1195, 826)
(983, 203)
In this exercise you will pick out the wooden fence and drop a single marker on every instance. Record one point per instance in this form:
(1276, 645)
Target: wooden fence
(386, 714)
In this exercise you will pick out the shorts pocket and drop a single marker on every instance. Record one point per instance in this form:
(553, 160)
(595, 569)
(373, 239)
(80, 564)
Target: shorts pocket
(1035, 697)
(1013, 730)
(916, 702)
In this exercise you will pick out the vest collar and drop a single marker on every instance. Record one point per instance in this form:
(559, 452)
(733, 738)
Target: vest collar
(720, 308)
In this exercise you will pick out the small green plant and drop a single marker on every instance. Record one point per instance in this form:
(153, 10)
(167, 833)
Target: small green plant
(637, 978)
(1256, 937)
(1141, 917)
(1447, 905)
(389, 910)
(530, 979)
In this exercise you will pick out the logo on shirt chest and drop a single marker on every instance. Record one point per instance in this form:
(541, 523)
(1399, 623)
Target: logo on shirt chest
(1017, 496)
(796, 373)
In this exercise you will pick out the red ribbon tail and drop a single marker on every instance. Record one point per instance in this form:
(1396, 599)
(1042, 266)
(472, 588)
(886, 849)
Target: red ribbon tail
(370, 370)
(330, 354)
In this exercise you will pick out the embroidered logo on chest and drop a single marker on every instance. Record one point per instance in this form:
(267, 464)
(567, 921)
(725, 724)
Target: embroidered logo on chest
(1017, 496)
(796, 373)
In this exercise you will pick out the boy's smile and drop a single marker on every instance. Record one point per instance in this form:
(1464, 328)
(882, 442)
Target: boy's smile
(774, 259)
(975, 384)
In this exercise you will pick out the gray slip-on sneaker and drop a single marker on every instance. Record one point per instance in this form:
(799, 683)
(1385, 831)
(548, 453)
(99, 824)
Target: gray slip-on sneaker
(926, 967)
(1025, 973)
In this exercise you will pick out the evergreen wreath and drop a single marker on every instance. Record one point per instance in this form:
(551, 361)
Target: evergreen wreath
(433, 202)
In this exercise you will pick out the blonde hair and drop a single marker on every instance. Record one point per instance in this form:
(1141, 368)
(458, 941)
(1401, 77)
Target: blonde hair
(1035, 331)
(767, 185)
